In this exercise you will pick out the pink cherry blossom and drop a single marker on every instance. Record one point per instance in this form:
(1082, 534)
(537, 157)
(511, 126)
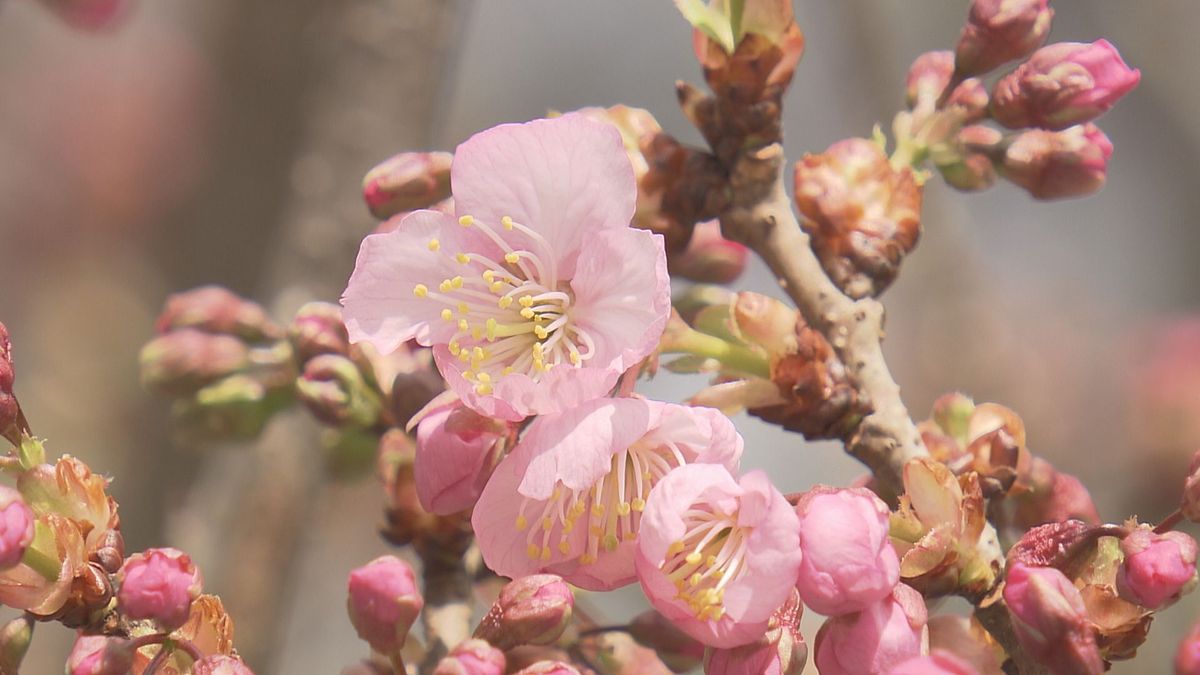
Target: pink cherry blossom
(538, 295)
(219, 664)
(16, 527)
(1187, 655)
(938, 662)
(592, 466)
(716, 555)
(877, 639)
(849, 562)
(100, 655)
(159, 584)
(472, 657)
(780, 651)
(1051, 619)
(1157, 569)
(384, 602)
(456, 451)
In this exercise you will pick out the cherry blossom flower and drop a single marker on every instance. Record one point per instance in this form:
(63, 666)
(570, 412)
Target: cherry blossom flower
(1157, 568)
(569, 499)
(717, 555)
(539, 294)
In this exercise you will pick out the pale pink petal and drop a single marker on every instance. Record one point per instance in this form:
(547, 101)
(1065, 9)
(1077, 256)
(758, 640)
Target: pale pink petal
(564, 178)
(623, 295)
(450, 468)
(379, 305)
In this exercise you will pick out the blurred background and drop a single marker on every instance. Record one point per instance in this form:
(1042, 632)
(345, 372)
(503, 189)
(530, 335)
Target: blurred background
(224, 142)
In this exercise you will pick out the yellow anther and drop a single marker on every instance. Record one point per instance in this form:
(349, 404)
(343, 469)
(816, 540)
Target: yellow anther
(538, 354)
(434, 244)
(577, 509)
(533, 551)
(511, 258)
(484, 377)
(638, 504)
(463, 325)
(629, 536)
(488, 275)
(710, 560)
(491, 329)
(540, 366)
(541, 332)
(505, 301)
(445, 286)
(457, 282)
(587, 559)
(597, 509)
(596, 531)
(463, 308)
(547, 523)
(694, 580)
(478, 354)
(675, 548)
(420, 290)
(611, 542)
(527, 313)
(507, 222)
(453, 347)
(568, 526)
(477, 332)
(545, 553)
(575, 358)
(464, 356)
(522, 522)
(693, 558)
(496, 286)
(563, 547)
(506, 370)
(483, 389)
(469, 375)
(462, 258)
(623, 509)
(466, 221)
(526, 300)
(447, 314)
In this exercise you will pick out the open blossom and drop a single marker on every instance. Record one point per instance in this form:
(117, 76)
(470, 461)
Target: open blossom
(569, 499)
(1062, 85)
(849, 562)
(875, 640)
(539, 294)
(1157, 568)
(718, 556)
(456, 451)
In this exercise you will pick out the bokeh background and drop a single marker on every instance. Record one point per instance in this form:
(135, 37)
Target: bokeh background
(223, 141)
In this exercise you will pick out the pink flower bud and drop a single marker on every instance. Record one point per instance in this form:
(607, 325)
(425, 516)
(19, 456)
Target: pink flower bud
(549, 668)
(89, 14)
(1187, 656)
(532, 610)
(334, 390)
(186, 360)
(1157, 569)
(384, 602)
(1057, 164)
(1190, 503)
(709, 258)
(938, 662)
(317, 329)
(849, 563)
(678, 650)
(1063, 85)
(16, 527)
(1051, 620)
(928, 76)
(780, 651)
(10, 411)
(159, 584)
(875, 640)
(99, 655)
(999, 31)
(410, 180)
(215, 309)
(472, 657)
(219, 664)
(457, 449)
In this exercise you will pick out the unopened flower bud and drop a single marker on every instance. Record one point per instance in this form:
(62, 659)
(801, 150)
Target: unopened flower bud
(710, 258)
(1057, 164)
(318, 329)
(780, 651)
(678, 651)
(999, 31)
(384, 602)
(928, 76)
(457, 450)
(99, 655)
(875, 640)
(10, 411)
(1051, 620)
(184, 361)
(1187, 656)
(863, 215)
(532, 610)
(15, 637)
(215, 309)
(472, 657)
(937, 662)
(549, 668)
(410, 180)
(1157, 569)
(1063, 85)
(1045, 545)
(16, 527)
(219, 664)
(970, 167)
(159, 584)
(765, 321)
(1190, 503)
(335, 392)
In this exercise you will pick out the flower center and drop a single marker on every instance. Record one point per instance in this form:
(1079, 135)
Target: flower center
(614, 505)
(706, 560)
(511, 314)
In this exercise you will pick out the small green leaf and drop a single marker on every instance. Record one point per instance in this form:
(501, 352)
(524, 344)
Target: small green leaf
(710, 21)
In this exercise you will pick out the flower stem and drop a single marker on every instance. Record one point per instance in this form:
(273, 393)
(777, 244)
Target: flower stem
(736, 357)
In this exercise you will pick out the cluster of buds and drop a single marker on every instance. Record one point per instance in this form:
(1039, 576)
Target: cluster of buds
(766, 360)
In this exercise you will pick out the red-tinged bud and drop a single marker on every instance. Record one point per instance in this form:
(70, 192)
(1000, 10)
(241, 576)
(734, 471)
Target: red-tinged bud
(159, 584)
(780, 651)
(1190, 503)
(335, 392)
(875, 640)
(1048, 545)
(1051, 620)
(184, 361)
(532, 610)
(410, 180)
(999, 31)
(710, 258)
(549, 668)
(318, 329)
(863, 215)
(219, 664)
(214, 309)
(472, 657)
(1187, 656)
(937, 662)
(1157, 569)
(89, 14)
(10, 411)
(457, 449)
(15, 637)
(1063, 85)
(384, 602)
(99, 655)
(16, 527)
(970, 167)
(928, 77)
(678, 651)
(1058, 164)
